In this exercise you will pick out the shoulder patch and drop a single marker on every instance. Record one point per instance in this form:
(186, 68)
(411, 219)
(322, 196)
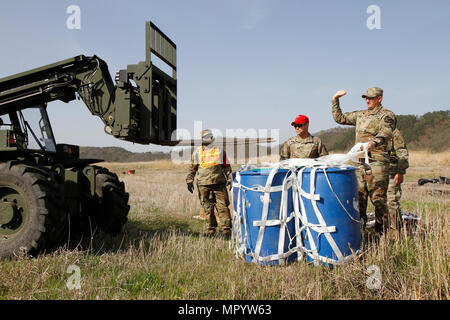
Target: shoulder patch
(388, 119)
(399, 140)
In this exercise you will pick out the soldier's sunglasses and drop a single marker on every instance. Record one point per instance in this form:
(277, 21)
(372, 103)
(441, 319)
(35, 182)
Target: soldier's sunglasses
(298, 125)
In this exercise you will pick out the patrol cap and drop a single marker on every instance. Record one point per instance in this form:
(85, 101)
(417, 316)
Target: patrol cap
(373, 92)
(207, 134)
(301, 119)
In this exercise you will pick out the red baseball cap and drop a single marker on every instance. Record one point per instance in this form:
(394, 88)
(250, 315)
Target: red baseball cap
(300, 120)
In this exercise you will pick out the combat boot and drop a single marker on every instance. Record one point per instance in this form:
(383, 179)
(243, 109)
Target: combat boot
(381, 228)
(227, 233)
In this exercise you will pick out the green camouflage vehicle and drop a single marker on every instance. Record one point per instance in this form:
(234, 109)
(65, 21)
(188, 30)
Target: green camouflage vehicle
(46, 191)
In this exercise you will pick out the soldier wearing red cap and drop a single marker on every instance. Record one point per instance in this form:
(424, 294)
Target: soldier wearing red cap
(303, 145)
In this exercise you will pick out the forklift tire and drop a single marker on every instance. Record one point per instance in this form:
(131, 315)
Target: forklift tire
(31, 215)
(111, 202)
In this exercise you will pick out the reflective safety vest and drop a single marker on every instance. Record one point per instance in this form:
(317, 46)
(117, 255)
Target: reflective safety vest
(210, 157)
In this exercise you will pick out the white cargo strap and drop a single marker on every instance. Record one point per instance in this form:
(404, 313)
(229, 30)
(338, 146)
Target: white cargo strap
(237, 240)
(298, 218)
(271, 223)
(322, 221)
(265, 211)
(301, 214)
(258, 188)
(293, 180)
(284, 218)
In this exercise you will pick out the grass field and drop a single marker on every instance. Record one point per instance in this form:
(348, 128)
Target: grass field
(162, 253)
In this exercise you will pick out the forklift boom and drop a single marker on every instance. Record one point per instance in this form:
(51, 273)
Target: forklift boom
(142, 113)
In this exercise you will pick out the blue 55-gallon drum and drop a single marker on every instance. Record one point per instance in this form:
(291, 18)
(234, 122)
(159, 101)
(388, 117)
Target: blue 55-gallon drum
(267, 232)
(330, 219)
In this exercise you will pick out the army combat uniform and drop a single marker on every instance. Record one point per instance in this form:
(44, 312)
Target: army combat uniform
(211, 166)
(374, 125)
(398, 163)
(201, 215)
(296, 147)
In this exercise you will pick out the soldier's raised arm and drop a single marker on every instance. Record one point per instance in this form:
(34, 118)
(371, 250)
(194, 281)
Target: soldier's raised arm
(348, 118)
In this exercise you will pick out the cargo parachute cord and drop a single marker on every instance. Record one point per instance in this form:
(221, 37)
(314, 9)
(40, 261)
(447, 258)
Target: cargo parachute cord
(239, 240)
(293, 181)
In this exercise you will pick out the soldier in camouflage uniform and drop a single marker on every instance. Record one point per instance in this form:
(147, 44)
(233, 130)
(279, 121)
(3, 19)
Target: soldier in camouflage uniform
(210, 164)
(303, 145)
(375, 126)
(398, 164)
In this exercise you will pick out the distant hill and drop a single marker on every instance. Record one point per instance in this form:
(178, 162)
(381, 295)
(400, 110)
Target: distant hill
(117, 154)
(430, 131)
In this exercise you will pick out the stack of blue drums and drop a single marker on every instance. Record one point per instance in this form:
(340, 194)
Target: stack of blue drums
(324, 229)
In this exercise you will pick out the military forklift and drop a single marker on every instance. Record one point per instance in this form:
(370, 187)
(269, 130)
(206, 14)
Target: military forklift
(48, 193)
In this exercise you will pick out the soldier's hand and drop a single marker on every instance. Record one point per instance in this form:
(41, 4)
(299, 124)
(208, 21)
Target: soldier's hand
(398, 179)
(371, 146)
(339, 94)
(190, 187)
(229, 185)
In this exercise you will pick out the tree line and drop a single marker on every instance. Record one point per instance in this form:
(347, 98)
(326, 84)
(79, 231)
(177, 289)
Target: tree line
(430, 131)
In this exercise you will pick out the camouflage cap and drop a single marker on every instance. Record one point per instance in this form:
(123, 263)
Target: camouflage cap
(373, 92)
(207, 134)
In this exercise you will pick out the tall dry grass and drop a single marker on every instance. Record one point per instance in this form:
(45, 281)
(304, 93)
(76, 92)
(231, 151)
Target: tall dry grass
(426, 158)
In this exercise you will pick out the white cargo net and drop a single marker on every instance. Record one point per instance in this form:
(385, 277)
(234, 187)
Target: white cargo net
(292, 180)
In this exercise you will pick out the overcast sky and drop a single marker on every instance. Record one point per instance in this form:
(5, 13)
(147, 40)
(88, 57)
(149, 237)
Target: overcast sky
(245, 64)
